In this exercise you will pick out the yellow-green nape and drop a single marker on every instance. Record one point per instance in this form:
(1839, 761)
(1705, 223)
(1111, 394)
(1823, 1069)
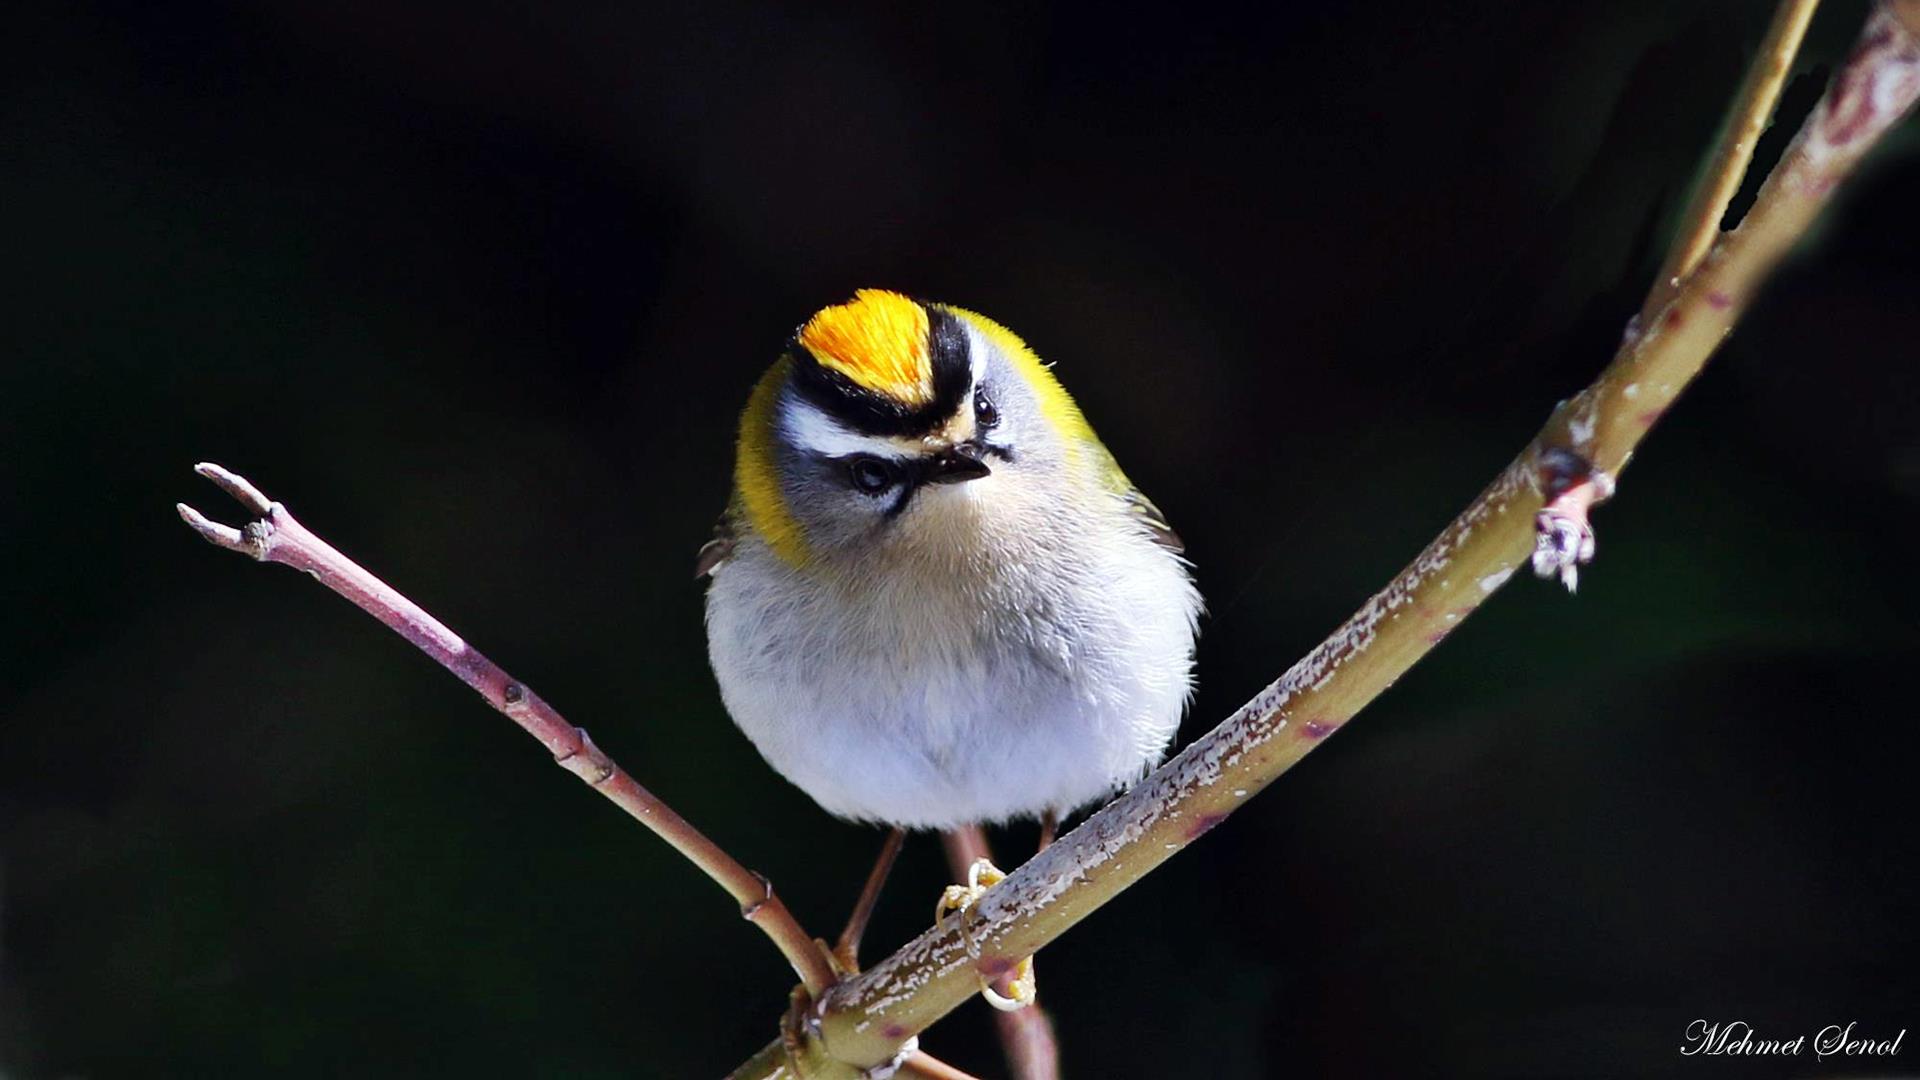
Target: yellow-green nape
(756, 476)
(878, 340)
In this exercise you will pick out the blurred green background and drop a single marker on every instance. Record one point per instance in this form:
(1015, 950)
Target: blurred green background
(478, 289)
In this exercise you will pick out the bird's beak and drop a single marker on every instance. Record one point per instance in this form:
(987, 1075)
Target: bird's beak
(956, 465)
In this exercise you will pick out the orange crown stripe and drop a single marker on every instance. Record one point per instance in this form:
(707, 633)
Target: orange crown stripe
(878, 340)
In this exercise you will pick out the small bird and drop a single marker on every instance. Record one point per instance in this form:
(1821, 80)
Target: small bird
(936, 600)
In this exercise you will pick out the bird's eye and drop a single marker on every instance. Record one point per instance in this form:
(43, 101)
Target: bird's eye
(985, 413)
(870, 474)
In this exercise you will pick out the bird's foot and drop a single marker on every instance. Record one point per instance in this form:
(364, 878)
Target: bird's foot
(1015, 989)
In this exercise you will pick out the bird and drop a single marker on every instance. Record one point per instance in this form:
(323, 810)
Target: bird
(935, 600)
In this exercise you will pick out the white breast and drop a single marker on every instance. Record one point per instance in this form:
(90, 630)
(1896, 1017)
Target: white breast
(946, 683)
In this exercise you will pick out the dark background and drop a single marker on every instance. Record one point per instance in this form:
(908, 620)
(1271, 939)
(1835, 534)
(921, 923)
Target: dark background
(478, 290)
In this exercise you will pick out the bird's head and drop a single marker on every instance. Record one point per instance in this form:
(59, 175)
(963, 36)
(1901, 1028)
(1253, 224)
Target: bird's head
(889, 421)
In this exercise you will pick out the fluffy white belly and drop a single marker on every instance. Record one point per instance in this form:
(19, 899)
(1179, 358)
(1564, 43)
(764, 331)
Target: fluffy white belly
(1030, 693)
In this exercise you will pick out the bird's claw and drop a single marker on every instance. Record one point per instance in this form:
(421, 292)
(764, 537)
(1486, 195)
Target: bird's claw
(1020, 988)
(981, 876)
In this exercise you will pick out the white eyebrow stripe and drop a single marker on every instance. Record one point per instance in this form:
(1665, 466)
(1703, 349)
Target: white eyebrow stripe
(976, 351)
(810, 429)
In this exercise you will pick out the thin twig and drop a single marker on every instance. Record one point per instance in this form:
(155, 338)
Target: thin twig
(1752, 111)
(275, 536)
(846, 950)
(865, 1019)
(1026, 1035)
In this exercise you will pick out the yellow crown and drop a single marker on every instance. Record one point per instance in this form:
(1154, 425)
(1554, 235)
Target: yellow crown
(878, 340)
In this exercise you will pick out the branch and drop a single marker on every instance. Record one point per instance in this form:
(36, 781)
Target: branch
(275, 536)
(1751, 113)
(1532, 507)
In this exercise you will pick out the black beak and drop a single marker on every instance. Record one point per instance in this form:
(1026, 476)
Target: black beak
(956, 466)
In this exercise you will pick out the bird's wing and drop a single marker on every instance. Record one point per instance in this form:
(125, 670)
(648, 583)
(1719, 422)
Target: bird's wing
(1156, 522)
(1142, 508)
(715, 551)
